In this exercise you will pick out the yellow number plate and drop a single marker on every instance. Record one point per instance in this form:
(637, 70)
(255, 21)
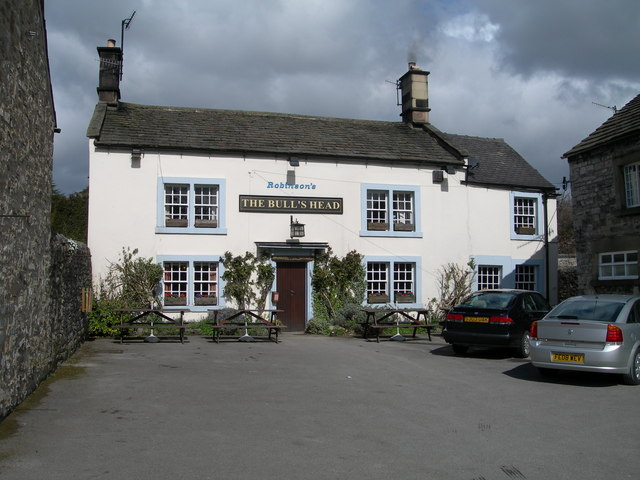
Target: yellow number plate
(477, 319)
(567, 357)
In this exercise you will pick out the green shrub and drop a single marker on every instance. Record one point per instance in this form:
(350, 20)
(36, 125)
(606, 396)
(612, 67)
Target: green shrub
(318, 326)
(201, 327)
(350, 317)
(103, 317)
(129, 283)
(338, 290)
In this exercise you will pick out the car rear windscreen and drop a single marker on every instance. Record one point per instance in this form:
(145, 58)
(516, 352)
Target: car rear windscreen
(588, 310)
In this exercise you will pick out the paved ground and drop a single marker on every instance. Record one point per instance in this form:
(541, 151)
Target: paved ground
(317, 408)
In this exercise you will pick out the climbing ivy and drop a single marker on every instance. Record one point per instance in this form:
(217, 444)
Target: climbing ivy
(339, 287)
(248, 279)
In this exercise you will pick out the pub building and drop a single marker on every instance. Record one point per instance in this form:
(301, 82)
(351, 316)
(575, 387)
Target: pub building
(186, 185)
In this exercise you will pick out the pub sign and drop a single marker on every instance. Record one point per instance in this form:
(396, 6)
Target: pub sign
(278, 204)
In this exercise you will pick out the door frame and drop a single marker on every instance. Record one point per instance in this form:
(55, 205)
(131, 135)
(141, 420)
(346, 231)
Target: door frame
(294, 251)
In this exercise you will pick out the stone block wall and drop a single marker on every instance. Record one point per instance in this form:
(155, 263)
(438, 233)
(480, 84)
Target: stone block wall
(600, 223)
(30, 331)
(70, 273)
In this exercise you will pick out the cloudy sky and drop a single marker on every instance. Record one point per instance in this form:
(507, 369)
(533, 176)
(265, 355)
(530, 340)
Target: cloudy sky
(526, 71)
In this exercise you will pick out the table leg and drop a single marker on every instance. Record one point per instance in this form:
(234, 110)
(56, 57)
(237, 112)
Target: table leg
(152, 338)
(246, 337)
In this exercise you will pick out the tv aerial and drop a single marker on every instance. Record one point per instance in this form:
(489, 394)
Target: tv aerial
(124, 26)
(614, 108)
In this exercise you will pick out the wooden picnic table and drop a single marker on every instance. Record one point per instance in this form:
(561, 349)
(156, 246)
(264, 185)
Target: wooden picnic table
(151, 318)
(378, 319)
(246, 319)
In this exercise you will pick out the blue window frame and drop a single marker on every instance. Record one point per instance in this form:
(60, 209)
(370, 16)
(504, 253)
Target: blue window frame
(191, 206)
(526, 217)
(390, 210)
(393, 280)
(193, 281)
(506, 272)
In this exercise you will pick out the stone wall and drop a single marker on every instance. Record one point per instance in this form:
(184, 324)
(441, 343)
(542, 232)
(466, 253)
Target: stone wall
(30, 331)
(70, 273)
(600, 223)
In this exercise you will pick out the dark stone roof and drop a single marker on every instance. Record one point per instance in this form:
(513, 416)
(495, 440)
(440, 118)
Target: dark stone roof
(621, 124)
(498, 164)
(231, 131)
(198, 129)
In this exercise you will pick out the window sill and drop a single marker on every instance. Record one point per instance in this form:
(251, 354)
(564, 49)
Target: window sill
(615, 283)
(390, 233)
(626, 212)
(191, 230)
(528, 238)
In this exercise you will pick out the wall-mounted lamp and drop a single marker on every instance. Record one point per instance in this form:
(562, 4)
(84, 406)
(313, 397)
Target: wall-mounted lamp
(294, 161)
(297, 229)
(136, 155)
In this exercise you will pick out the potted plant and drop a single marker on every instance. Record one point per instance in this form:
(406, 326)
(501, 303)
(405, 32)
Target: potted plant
(206, 223)
(175, 299)
(205, 299)
(403, 227)
(378, 297)
(176, 222)
(378, 226)
(525, 230)
(405, 297)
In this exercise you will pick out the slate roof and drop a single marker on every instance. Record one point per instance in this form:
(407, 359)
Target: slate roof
(231, 131)
(498, 164)
(621, 124)
(152, 127)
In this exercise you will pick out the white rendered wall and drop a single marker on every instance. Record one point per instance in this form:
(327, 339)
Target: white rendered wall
(456, 221)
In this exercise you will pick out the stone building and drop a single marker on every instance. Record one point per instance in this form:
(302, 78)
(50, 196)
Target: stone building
(40, 322)
(605, 188)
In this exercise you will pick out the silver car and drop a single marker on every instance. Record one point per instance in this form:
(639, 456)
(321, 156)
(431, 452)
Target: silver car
(595, 333)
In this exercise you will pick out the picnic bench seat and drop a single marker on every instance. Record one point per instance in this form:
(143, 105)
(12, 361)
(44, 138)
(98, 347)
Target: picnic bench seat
(232, 327)
(375, 321)
(145, 320)
(379, 327)
(234, 322)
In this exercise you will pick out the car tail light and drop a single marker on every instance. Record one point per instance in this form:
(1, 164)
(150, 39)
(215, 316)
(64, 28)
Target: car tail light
(614, 334)
(454, 317)
(533, 330)
(500, 319)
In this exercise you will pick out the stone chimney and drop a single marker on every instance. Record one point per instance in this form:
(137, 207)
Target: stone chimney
(110, 68)
(415, 95)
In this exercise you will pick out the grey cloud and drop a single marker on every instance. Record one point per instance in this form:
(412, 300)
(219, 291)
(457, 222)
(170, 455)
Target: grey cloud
(336, 58)
(586, 38)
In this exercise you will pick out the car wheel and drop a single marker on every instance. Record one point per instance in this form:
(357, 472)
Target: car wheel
(548, 372)
(524, 348)
(459, 349)
(633, 377)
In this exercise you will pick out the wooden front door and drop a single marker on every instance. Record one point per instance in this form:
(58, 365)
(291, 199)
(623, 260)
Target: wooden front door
(291, 283)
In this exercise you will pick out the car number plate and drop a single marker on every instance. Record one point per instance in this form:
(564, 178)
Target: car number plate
(567, 357)
(477, 319)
